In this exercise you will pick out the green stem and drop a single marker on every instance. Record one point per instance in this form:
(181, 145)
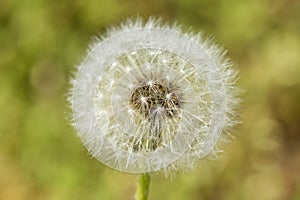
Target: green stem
(143, 187)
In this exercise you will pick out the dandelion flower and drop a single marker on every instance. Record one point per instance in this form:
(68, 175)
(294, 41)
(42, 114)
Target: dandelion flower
(149, 97)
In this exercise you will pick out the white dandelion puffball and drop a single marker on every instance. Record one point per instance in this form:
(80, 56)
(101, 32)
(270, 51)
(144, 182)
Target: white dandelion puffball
(148, 97)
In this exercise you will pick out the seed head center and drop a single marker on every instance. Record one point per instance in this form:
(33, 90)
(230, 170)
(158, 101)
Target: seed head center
(155, 98)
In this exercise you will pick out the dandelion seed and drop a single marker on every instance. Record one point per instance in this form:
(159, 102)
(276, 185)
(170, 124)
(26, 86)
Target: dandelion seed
(151, 98)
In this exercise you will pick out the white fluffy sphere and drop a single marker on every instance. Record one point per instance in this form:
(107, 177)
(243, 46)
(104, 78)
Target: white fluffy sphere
(148, 97)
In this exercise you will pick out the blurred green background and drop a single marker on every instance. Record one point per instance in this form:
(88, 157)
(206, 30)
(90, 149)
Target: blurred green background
(42, 40)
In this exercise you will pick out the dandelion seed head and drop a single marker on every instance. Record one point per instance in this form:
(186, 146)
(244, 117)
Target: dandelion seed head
(151, 98)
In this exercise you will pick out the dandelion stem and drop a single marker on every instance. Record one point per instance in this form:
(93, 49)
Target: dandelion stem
(143, 187)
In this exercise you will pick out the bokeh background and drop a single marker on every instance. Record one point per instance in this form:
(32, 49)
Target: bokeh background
(42, 40)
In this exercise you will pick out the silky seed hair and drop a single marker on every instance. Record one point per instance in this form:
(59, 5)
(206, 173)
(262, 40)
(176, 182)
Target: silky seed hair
(150, 97)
